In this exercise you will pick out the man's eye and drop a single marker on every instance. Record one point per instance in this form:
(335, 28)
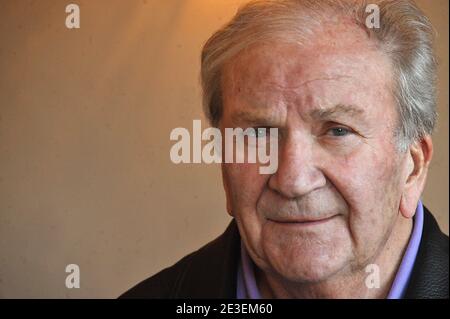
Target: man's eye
(339, 131)
(259, 132)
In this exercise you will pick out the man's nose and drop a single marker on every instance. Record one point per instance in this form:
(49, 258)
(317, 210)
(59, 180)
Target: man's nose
(298, 173)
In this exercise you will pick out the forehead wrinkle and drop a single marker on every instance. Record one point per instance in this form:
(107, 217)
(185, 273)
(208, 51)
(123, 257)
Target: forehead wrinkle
(255, 116)
(339, 109)
(296, 87)
(261, 95)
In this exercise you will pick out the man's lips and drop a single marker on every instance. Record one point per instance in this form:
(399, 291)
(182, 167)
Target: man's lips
(302, 221)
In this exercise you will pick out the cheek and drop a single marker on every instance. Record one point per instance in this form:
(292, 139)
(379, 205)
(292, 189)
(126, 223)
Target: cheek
(369, 182)
(243, 185)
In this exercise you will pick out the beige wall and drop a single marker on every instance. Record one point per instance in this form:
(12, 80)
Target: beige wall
(85, 117)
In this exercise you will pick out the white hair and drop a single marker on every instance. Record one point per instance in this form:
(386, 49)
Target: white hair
(405, 34)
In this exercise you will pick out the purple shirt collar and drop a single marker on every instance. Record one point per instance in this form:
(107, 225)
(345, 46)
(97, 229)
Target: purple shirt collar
(248, 289)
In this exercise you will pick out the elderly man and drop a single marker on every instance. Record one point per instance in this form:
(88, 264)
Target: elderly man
(354, 105)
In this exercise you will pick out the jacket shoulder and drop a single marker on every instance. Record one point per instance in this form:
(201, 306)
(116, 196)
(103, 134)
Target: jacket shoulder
(429, 278)
(205, 273)
(160, 285)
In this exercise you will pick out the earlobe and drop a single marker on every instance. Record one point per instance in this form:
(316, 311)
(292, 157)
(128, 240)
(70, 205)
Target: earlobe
(407, 206)
(230, 212)
(419, 157)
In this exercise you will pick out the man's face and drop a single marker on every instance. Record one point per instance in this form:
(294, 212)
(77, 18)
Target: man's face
(334, 199)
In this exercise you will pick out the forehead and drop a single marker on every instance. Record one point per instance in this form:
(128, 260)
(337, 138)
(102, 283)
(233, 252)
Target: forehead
(333, 66)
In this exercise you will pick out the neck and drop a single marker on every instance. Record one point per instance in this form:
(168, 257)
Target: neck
(346, 284)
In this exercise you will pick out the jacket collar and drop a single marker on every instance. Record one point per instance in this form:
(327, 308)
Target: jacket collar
(429, 278)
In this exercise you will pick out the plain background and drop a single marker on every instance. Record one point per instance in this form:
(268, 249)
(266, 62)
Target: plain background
(85, 118)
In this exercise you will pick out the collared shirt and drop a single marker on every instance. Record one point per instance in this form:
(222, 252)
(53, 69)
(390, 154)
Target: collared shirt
(248, 289)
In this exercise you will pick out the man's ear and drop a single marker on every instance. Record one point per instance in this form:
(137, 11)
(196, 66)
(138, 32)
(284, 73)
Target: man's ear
(419, 157)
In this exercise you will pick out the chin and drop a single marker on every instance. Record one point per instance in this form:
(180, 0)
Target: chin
(313, 271)
(307, 259)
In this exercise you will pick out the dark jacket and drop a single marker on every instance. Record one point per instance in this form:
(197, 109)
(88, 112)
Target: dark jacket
(211, 271)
